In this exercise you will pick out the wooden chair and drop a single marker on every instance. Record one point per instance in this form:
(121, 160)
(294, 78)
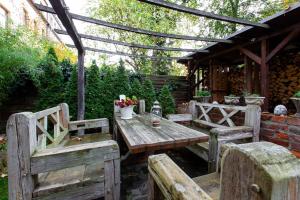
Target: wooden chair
(259, 170)
(220, 131)
(45, 162)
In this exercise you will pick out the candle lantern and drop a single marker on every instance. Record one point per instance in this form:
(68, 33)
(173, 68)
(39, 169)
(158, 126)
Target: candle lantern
(156, 114)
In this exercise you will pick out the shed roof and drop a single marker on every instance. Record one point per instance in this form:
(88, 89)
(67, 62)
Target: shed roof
(277, 22)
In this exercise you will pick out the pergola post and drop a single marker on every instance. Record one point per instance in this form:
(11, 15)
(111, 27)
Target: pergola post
(264, 67)
(80, 86)
(248, 74)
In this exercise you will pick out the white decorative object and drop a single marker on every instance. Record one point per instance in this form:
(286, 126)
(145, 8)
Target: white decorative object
(280, 110)
(231, 99)
(126, 112)
(122, 97)
(252, 100)
(202, 99)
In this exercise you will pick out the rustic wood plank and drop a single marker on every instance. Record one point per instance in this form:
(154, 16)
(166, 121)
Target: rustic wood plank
(210, 183)
(172, 181)
(46, 112)
(87, 124)
(70, 156)
(180, 117)
(252, 119)
(20, 132)
(261, 170)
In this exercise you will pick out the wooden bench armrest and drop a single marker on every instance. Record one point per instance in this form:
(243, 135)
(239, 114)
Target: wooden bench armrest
(180, 117)
(231, 130)
(75, 155)
(172, 181)
(87, 124)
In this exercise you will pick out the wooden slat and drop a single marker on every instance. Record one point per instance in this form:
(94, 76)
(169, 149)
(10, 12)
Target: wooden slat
(210, 124)
(88, 124)
(201, 13)
(129, 55)
(44, 131)
(46, 112)
(180, 117)
(172, 181)
(59, 158)
(229, 107)
(132, 45)
(132, 29)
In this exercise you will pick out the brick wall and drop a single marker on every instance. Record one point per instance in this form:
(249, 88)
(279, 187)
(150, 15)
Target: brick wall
(281, 130)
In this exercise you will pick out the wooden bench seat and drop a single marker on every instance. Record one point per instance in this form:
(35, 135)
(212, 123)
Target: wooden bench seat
(45, 162)
(221, 131)
(259, 170)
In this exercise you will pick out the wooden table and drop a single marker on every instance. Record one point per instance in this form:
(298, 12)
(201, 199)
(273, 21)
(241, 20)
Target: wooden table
(140, 136)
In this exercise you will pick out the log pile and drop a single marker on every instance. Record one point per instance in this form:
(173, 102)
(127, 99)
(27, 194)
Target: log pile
(284, 77)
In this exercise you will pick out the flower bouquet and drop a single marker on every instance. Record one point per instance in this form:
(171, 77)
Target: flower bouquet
(126, 107)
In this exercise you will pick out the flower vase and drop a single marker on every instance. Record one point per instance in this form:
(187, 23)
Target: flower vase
(126, 112)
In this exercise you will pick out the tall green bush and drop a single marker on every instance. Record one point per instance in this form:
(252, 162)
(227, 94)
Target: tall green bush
(137, 89)
(51, 85)
(149, 94)
(94, 106)
(166, 101)
(121, 81)
(71, 93)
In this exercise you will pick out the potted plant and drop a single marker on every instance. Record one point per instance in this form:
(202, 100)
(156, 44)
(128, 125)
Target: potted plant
(232, 99)
(296, 100)
(203, 96)
(254, 99)
(126, 107)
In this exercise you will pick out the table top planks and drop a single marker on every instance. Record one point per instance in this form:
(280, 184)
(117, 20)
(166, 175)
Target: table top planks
(140, 136)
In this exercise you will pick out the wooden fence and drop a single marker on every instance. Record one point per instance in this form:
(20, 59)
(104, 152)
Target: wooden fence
(179, 85)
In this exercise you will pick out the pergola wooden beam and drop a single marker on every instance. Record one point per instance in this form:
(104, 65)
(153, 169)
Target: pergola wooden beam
(126, 54)
(201, 13)
(132, 29)
(61, 11)
(133, 45)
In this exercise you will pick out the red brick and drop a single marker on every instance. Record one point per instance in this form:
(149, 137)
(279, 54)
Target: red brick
(294, 142)
(282, 135)
(274, 126)
(296, 153)
(279, 119)
(266, 116)
(280, 142)
(268, 132)
(293, 121)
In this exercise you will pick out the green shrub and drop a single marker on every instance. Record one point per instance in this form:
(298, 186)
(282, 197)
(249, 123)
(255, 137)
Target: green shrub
(203, 93)
(51, 88)
(137, 89)
(149, 94)
(94, 106)
(3, 188)
(71, 93)
(166, 101)
(297, 94)
(121, 81)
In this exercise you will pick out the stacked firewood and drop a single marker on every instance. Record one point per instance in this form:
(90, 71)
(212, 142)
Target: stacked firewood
(236, 81)
(284, 77)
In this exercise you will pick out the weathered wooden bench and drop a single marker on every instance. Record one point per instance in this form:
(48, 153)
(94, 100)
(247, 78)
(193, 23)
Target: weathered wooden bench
(259, 170)
(221, 131)
(45, 162)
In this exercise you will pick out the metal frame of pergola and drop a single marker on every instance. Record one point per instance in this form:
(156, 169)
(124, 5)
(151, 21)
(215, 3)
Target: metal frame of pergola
(61, 10)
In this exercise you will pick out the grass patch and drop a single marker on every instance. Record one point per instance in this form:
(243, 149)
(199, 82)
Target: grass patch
(3, 189)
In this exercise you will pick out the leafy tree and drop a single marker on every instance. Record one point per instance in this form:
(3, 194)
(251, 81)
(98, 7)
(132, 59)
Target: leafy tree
(94, 107)
(149, 94)
(166, 101)
(71, 93)
(51, 85)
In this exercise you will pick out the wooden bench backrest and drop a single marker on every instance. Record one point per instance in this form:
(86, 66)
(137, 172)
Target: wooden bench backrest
(260, 170)
(52, 126)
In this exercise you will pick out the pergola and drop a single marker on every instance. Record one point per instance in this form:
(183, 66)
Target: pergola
(61, 10)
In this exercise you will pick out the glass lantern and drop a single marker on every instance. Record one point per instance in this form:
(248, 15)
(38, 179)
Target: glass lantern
(156, 114)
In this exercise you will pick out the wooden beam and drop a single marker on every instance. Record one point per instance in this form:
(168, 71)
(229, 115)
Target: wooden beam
(63, 14)
(264, 74)
(251, 55)
(236, 47)
(125, 54)
(81, 88)
(201, 13)
(282, 44)
(132, 29)
(248, 74)
(132, 45)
